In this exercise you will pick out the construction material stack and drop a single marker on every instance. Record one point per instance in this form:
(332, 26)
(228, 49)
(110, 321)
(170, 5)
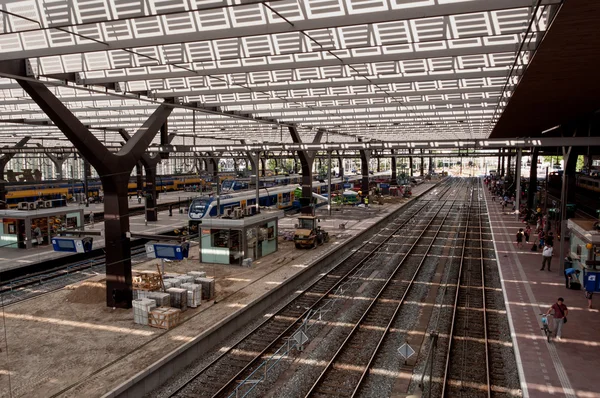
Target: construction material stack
(194, 294)
(141, 310)
(208, 287)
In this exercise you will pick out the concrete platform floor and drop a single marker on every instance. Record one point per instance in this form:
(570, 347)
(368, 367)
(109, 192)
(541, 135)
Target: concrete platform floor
(565, 368)
(13, 258)
(67, 343)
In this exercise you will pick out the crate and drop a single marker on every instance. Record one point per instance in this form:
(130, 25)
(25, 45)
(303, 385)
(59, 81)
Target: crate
(141, 309)
(146, 280)
(194, 292)
(164, 317)
(178, 298)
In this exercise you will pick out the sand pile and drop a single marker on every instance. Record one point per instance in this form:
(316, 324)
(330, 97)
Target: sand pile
(88, 293)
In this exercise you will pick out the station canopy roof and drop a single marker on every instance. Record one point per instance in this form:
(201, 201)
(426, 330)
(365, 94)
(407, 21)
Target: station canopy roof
(383, 70)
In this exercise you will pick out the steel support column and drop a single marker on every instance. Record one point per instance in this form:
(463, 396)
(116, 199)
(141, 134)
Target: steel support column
(59, 161)
(421, 165)
(87, 173)
(139, 178)
(365, 157)
(340, 165)
(394, 179)
(531, 191)
(4, 159)
(114, 171)
(502, 167)
(149, 163)
(306, 162)
(410, 162)
(518, 182)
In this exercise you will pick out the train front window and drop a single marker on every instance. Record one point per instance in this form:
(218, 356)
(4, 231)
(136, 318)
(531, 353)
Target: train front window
(198, 206)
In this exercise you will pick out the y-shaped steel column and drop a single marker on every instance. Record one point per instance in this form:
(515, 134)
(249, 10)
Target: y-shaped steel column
(3, 162)
(114, 171)
(149, 163)
(306, 162)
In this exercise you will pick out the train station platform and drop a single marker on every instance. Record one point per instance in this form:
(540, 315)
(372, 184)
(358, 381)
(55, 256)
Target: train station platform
(561, 368)
(68, 343)
(11, 258)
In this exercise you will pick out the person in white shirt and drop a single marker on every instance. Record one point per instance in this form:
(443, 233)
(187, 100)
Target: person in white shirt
(546, 256)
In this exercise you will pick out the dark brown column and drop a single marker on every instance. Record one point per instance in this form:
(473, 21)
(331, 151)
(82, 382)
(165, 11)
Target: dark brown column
(139, 178)
(114, 171)
(410, 162)
(306, 162)
(421, 163)
(149, 163)
(4, 159)
(394, 179)
(531, 191)
(340, 165)
(365, 156)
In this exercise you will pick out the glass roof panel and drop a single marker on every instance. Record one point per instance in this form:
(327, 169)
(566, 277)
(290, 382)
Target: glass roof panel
(390, 69)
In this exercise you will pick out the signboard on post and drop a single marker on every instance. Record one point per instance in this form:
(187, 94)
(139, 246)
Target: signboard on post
(406, 351)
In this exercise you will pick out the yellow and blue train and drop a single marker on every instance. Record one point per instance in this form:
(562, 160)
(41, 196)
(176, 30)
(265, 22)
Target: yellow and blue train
(49, 190)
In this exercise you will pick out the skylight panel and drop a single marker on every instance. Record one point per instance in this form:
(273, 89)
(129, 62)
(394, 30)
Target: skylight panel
(89, 11)
(323, 8)
(249, 15)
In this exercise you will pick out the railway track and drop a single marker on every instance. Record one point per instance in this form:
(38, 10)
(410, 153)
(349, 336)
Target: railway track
(474, 358)
(362, 344)
(221, 377)
(35, 285)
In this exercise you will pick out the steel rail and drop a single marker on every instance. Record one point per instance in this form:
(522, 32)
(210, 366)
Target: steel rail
(451, 333)
(453, 321)
(235, 378)
(377, 298)
(388, 327)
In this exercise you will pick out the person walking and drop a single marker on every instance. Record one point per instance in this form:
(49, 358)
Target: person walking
(588, 296)
(560, 312)
(527, 233)
(546, 256)
(92, 218)
(520, 238)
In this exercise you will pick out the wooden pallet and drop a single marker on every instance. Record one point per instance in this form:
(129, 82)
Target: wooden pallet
(164, 317)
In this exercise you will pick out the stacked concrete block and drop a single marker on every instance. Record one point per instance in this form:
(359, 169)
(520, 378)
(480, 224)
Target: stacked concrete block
(194, 292)
(208, 287)
(186, 279)
(141, 308)
(197, 274)
(178, 298)
(168, 284)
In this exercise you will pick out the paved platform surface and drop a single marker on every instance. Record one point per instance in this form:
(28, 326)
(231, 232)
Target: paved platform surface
(565, 368)
(14, 258)
(67, 343)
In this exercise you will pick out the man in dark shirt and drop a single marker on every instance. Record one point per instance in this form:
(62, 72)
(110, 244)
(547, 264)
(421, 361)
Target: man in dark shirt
(560, 314)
